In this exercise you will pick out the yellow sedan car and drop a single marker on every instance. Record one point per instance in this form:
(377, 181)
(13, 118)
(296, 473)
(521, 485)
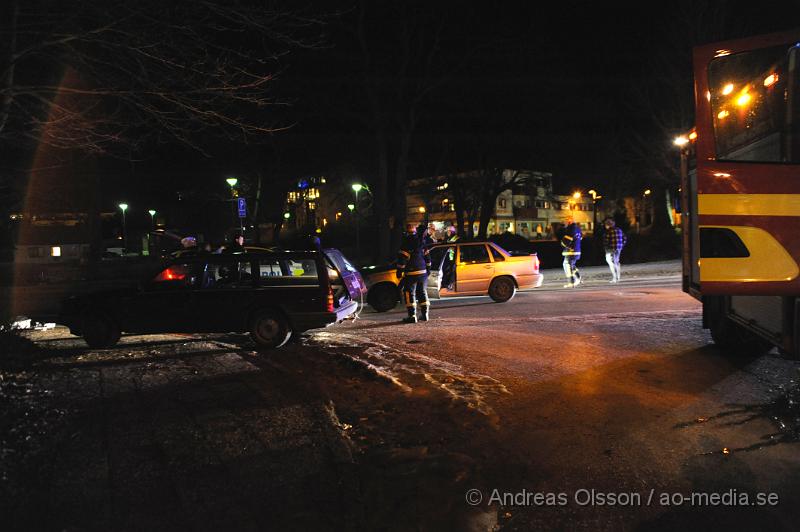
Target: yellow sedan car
(460, 269)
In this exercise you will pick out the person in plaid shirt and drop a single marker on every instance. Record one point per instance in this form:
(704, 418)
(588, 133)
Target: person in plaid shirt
(613, 242)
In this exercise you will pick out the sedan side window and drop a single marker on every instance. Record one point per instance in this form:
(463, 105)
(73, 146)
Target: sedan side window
(474, 254)
(496, 255)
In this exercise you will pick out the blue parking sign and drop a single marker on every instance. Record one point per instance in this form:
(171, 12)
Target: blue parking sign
(242, 207)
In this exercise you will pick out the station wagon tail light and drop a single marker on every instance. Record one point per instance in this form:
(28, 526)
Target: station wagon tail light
(330, 298)
(536, 263)
(170, 275)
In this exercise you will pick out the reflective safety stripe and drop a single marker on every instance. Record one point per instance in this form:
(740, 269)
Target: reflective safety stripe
(568, 237)
(417, 272)
(405, 253)
(425, 303)
(570, 252)
(768, 260)
(749, 204)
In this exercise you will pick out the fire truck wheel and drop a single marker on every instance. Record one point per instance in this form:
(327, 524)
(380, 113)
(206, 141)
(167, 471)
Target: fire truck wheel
(735, 340)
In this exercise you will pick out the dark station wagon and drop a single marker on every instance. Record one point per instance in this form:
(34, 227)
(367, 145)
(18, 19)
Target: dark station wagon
(269, 293)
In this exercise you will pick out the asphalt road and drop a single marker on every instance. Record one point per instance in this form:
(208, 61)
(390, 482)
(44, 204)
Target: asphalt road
(612, 390)
(603, 407)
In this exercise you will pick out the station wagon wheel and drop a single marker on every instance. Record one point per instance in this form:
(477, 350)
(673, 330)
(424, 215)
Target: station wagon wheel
(383, 297)
(502, 289)
(270, 329)
(99, 331)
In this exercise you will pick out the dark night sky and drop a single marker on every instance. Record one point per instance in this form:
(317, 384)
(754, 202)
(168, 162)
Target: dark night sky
(551, 90)
(548, 88)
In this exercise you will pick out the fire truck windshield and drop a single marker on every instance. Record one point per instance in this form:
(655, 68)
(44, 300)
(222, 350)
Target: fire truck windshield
(754, 102)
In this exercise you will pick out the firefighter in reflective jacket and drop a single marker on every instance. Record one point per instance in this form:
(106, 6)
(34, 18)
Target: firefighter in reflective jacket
(571, 250)
(413, 265)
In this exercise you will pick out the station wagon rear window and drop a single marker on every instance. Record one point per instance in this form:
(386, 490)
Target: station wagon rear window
(285, 271)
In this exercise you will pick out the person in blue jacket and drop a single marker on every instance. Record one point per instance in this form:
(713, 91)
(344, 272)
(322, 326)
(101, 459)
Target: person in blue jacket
(571, 251)
(413, 265)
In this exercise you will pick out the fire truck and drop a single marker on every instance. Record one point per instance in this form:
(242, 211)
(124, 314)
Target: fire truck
(740, 192)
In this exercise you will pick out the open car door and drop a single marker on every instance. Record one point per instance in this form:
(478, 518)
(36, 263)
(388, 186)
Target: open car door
(439, 255)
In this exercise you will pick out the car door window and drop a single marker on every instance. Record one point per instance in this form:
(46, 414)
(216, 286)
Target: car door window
(439, 255)
(475, 254)
(287, 271)
(302, 268)
(228, 274)
(269, 268)
(177, 276)
(496, 255)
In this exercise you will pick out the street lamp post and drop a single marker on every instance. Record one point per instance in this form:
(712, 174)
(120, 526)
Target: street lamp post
(357, 188)
(232, 181)
(595, 197)
(643, 208)
(123, 207)
(152, 213)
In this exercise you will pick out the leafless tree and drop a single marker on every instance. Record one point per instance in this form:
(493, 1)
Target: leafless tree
(106, 77)
(405, 60)
(664, 105)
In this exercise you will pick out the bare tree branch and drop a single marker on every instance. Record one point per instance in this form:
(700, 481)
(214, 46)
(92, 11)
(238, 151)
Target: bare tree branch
(105, 76)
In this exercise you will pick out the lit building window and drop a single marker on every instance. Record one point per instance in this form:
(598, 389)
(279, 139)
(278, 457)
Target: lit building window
(55, 251)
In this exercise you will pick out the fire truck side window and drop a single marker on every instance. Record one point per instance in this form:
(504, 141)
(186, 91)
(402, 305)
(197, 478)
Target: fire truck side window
(754, 102)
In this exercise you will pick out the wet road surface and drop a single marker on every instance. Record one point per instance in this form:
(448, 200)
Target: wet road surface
(596, 408)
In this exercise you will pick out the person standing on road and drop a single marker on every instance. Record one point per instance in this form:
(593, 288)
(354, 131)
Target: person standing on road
(413, 265)
(449, 265)
(613, 242)
(571, 251)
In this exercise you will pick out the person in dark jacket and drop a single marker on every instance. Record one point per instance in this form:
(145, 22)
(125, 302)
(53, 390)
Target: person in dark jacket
(571, 251)
(413, 265)
(613, 242)
(237, 246)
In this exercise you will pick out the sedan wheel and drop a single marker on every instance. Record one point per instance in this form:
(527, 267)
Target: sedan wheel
(502, 289)
(383, 297)
(270, 329)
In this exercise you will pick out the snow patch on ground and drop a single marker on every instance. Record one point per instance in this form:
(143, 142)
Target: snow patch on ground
(410, 370)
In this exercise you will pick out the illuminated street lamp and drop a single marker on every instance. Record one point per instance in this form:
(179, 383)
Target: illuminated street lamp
(232, 181)
(152, 213)
(123, 207)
